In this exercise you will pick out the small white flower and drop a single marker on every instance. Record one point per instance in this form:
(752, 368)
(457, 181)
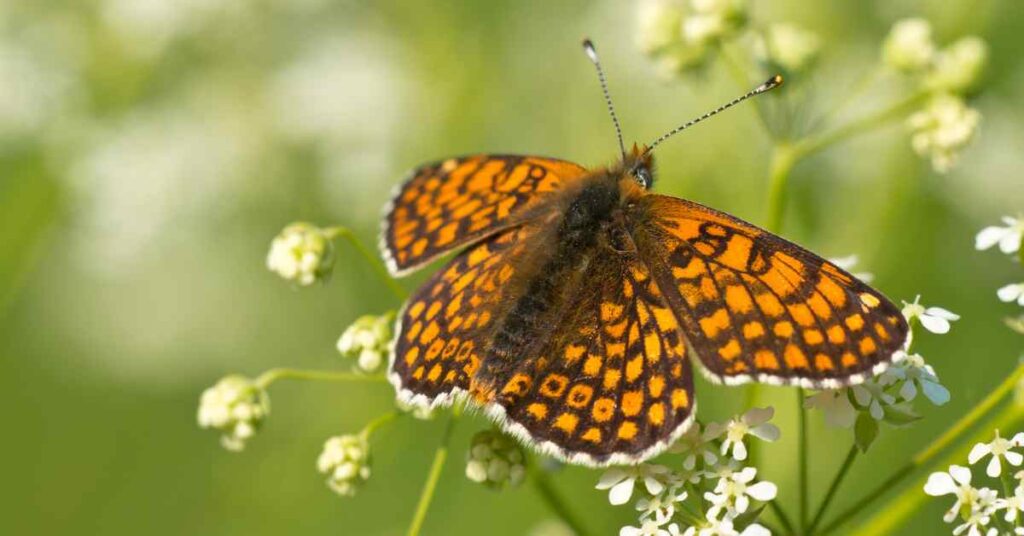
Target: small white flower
(237, 407)
(646, 528)
(835, 405)
(1000, 449)
(1008, 237)
(754, 422)
(725, 527)
(367, 340)
(915, 375)
(659, 25)
(791, 47)
(956, 482)
(661, 507)
(422, 412)
(848, 263)
(693, 446)
(909, 46)
(958, 67)
(620, 481)
(1013, 505)
(872, 395)
(942, 129)
(974, 526)
(933, 319)
(733, 492)
(346, 462)
(1012, 292)
(711, 20)
(495, 460)
(302, 253)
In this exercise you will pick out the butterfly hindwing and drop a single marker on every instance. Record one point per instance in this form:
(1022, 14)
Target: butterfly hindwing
(756, 306)
(612, 383)
(455, 202)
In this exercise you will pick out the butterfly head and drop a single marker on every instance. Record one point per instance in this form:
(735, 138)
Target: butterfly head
(638, 165)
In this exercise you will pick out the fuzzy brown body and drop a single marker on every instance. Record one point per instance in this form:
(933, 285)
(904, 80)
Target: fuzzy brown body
(580, 299)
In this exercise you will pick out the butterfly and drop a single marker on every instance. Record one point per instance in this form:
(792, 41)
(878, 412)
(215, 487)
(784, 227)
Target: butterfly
(580, 298)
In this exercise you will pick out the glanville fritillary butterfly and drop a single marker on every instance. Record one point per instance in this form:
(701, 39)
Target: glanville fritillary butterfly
(572, 312)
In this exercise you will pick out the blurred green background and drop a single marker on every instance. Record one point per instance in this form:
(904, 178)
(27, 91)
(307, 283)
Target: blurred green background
(149, 149)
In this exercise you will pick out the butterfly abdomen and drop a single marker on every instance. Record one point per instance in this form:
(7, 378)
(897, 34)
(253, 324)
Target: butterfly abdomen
(555, 277)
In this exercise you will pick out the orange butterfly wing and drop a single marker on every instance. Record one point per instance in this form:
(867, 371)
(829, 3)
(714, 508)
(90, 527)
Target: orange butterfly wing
(757, 307)
(611, 383)
(455, 202)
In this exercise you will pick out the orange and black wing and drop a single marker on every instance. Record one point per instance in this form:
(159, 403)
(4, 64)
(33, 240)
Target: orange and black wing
(757, 307)
(610, 384)
(444, 328)
(456, 202)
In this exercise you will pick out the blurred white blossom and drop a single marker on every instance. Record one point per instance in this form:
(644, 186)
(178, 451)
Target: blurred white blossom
(147, 27)
(620, 481)
(367, 340)
(35, 89)
(646, 528)
(909, 46)
(933, 319)
(912, 374)
(873, 396)
(1008, 237)
(302, 253)
(733, 492)
(942, 129)
(659, 24)
(495, 460)
(958, 67)
(725, 527)
(694, 445)
(710, 20)
(835, 406)
(551, 527)
(754, 422)
(1000, 449)
(791, 47)
(346, 462)
(235, 406)
(1012, 292)
(848, 263)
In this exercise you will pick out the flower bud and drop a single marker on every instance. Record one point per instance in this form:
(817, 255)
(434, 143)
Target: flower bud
(237, 407)
(909, 46)
(367, 340)
(346, 462)
(788, 46)
(943, 129)
(959, 66)
(495, 460)
(302, 253)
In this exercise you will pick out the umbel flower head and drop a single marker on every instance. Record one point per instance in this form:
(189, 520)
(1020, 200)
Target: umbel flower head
(302, 253)
(237, 407)
(346, 462)
(943, 129)
(495, 460)
(367, 340)
(754, 422)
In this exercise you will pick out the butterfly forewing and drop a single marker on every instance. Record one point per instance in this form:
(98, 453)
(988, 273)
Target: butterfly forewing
(755, 306)
(455, 202)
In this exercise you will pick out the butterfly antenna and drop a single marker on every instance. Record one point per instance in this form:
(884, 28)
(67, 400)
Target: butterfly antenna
(588, 47)
(769, 85)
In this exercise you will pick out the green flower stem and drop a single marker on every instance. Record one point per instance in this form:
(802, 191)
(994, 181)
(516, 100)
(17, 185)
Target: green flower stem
(347, 234)
(784, 157)
(440, 456)
(781, 515)
(898, 110)
(863, 84)
(833, 488)
(923, 458)
(264, 380)
(899, 509)
(373, 425)
(554, 500)
(802, 455)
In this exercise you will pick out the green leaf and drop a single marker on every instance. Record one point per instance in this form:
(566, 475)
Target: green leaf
(898, 416)
(1020, 251)
(865, 431)
(743, 520)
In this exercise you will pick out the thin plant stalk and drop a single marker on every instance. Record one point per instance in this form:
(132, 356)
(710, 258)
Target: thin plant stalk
(802, 455)
(844, 469)
(380, 269)
(923, 458)
(434, 476)
(555, 501)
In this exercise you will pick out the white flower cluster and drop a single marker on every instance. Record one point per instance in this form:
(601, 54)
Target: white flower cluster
(888, 396)
(1010, 238)
(977, 508)
(367, 341)
(235, 406)
(346, 462)
(495, 460)
(302, 253)
(946, 124)
(710, 461)
(682, 34)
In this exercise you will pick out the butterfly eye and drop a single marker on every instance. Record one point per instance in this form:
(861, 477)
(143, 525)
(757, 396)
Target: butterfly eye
(643, 177)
